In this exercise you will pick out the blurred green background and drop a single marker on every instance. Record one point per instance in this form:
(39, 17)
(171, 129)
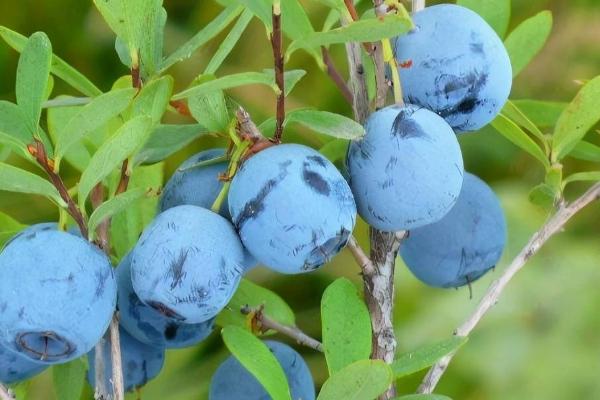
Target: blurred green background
(540, 342)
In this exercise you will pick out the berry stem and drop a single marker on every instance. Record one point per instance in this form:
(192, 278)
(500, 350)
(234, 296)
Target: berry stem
(552, 226)
(277, 44)
(234, 164)
(390, 59)
(335, 75)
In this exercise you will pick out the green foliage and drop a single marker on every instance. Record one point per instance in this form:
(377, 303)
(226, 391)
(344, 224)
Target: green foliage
(541, 113)
(153, 99)
(13, 179)
(211, 110)
(334, 150)
(495, 12)
(517, 136)
(526, 41)
(256, 357)
(425, 357)
(255, 296)
(586, 151)
(69, 379)
(8, 228)
(166, 140)
(346, 326)
(230, 41)
(327, 123)
(423, 397)
(362, 380)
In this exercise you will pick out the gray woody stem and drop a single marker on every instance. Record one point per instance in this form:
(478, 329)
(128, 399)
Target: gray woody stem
(552, 226)
(115, 355)
(5, 393)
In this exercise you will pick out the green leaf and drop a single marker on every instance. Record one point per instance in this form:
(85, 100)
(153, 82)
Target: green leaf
(131, 136)
(127, 226)
(11, 144)
(513, 112)
(211, 30)
(91, 117)
(425, 357)
(256, 357)
(33, 73)
(13, 179)
(593, 176)
(230, 41)
(543, 195)
(369, 30)
(541, 113)
(335, 150)
(12, 122)
(527, 39)
(237, 80)
(363, 380)
(577, 119)
(166, 140)
(494, 12)
(9, 227)
(210, 110)
(254, 296)
(346, 325)
(296, 25)
(114, 206)
(59, 67)
(327, 123)
(423, 397)
(290, 79)
(517, 136)
(154, 99)
(69, 379)
(586, 151)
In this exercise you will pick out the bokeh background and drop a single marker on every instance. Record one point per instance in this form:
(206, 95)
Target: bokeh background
(541, 341)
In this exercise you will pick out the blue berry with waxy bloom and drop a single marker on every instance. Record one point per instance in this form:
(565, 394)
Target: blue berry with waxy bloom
(57, 295)
(233, 381)
(187, 264)
(407, 170)
(148, 325)
(292, 208)
(462, 246)
(16, 368)
(456, 65)
(141, 363)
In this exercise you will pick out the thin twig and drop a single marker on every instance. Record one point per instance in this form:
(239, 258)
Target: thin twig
(363, 261)
(5, 393)
(552, 226)
(97, 198)
(115, 355)
(263, 323)
(381, 81)
(124, 180)
(335, 75)
(277, 43)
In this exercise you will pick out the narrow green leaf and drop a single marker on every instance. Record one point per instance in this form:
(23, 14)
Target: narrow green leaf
(254, 296)
(346, 325)
(423, 397)
(154, 99)
(335, 150)
(127, 226)
(237, 80)
(297, 25)
(527, 39)
(425, 357)
(369, 30)
(15, 146)
(91, 117)
(586, 151)
(593, 176)
(12, 122)
(143, 19)
(541, 113)
(211, 30)
(495, 12)
(256, 357)
(262, 10)
(291, 78)
(131, 136)
(513, 112)
(13, 179)
(166, 140)
(59, 67)
(363, 380)
(210, 110)
(33, 73)
(577, 119)
(69, 379)
(543, 195)
(327, 123)
(114, 206)
(517, 136)
(8, 228)
(230, 41)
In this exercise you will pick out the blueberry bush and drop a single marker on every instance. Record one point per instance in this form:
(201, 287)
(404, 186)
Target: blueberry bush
(135, 265)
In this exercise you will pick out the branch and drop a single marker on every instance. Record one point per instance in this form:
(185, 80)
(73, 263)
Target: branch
(363, 261)
(124, 180)
(263, 323)
(381, 81)
(5, 393)
(335, 75)
(418, 5)
(115, 355)
(552, 226)
(277, 43)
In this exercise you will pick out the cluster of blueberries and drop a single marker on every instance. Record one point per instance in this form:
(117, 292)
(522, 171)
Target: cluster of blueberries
(288, 208)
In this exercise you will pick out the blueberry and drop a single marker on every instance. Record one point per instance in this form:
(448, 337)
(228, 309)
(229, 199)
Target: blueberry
(292, 208)
(462, 246)
(408, 169)
(233, 381)
(57, 295)
(456, 65)
(196, 186)
(148, 325)
(187, 264)
(140, 362)
(16, 368)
